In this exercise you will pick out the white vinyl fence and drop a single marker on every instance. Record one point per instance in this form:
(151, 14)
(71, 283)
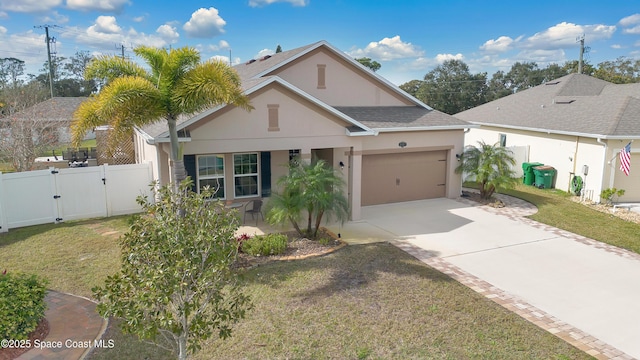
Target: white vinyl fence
(56, 195)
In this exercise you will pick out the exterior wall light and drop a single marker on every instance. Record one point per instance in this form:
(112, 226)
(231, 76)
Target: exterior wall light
(402, 144)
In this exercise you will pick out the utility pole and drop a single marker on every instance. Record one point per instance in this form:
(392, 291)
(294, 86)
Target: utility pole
(49, 41)
(580, 60)
(121, 46)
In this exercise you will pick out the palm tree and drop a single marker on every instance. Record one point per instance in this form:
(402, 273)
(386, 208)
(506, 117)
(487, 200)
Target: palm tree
(314, 189)
(488, 165)
(176, 84)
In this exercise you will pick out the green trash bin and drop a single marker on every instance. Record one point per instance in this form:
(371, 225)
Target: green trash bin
(544, 176)
(527, 168)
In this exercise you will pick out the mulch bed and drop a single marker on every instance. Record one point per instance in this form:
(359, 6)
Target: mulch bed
(40, 333)
(475, 196)
(297, 248)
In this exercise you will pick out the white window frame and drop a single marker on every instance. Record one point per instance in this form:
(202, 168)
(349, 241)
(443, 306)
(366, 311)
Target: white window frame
(256, 174)
(209, 177)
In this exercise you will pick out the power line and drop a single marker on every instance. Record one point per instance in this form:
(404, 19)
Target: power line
(49, 40)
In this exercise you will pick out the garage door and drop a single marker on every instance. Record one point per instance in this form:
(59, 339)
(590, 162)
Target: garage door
(631, 183)
(389, 178)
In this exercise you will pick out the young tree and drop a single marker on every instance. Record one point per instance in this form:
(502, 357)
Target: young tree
(177, 285)
(176, 84)
(25, 134)
(311, 189)
(490, 166)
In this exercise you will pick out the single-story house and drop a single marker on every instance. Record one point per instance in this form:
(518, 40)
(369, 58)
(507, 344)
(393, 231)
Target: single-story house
(316, 102)
(577, 124)
(54, 114)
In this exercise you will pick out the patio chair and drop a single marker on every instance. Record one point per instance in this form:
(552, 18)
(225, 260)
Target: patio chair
(255, 210)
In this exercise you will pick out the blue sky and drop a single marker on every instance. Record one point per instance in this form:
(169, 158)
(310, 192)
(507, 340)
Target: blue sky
(409, 38)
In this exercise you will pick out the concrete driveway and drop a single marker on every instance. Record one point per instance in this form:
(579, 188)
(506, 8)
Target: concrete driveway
(586, 292)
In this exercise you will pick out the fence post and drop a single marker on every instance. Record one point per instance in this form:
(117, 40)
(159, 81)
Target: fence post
(107, 192)
(4, 225)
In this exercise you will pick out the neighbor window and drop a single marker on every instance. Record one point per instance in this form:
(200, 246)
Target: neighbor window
(503, 140)
(245, 174)
(211, 173)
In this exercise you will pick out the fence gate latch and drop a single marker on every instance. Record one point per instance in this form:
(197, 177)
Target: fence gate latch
(54, 171)
(58, 219)
(57, 196)
(104, 181)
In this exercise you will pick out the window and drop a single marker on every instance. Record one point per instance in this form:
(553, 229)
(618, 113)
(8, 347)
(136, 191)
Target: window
(245, 174)
(503, 140)
(211, 173)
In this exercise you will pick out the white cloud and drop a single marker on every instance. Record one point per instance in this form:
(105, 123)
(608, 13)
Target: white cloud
(630, 20)
(388, 49)
(499, 45)
(616, 46)
(634, 30)
(4, 15)
(440, 58)
(168, 33)
(256, 3)
(264, 52)
(105, 25)
(3, 30)
(115, 6)
(220, 46)
(138, 18)
(225, 59)
(205, 23)
(28, 6)
(565, 34)
(55, 18)
(542, 57)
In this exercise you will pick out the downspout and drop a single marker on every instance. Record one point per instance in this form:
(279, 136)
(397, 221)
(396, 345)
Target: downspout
(575, 161)
(604, 163)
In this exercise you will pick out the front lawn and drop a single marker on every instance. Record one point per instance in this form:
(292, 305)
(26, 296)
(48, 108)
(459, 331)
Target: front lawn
(556, 209)
(362, 302)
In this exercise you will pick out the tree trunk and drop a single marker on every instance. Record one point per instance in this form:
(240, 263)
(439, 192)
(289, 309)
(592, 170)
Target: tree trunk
(177, 169)
(182, 347)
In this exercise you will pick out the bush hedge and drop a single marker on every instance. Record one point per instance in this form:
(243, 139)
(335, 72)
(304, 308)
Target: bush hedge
(264, 245)
(22, 305)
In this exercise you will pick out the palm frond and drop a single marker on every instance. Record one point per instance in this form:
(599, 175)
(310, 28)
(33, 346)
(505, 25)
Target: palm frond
(85, 118)
(154, 57)
(209, 84)
(112, 67)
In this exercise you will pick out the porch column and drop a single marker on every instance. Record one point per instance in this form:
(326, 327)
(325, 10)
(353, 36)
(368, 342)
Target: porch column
(355, 184)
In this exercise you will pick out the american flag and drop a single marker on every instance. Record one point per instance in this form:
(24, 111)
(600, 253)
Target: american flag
(625, 159)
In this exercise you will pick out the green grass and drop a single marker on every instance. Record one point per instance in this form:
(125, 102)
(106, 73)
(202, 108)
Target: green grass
(362, 302)
(556, 209)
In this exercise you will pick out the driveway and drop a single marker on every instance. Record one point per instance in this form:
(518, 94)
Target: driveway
(583, 291)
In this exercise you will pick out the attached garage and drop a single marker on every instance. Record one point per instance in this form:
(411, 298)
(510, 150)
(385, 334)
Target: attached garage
(397, 177)
(629, 183)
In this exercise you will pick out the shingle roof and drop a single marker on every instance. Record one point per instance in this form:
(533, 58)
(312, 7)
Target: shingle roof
(54, 109)
(254, 74)
(574, 103)
(386, 117)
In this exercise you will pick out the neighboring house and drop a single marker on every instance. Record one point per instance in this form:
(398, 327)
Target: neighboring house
(574, 123)
(54, 114)
(316, 102)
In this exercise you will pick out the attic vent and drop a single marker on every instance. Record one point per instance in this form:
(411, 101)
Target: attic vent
(564, 101)
(265, 57)
(553, 83)
(250, 61)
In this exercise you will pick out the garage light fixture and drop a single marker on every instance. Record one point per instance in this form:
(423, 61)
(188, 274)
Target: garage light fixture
(341, 165)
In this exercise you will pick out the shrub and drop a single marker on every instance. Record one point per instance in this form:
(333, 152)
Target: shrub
(270, 244)
(22, 305)
(610, 195)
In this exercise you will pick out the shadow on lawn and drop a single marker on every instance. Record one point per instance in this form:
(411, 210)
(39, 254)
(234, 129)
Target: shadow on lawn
(351, 268)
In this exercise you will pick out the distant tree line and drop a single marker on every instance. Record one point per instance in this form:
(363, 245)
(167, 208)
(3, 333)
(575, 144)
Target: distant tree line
(452, 88)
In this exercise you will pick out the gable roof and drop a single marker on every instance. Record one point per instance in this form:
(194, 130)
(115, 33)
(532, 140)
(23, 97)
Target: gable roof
(575, 104)
(256, 74)
(54, 109)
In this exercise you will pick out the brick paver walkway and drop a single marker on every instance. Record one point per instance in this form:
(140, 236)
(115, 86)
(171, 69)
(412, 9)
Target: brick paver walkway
(74, 324)
(516, 210)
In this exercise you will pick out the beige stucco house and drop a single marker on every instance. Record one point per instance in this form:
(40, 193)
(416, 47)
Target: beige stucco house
(574, 123)
(316, 102)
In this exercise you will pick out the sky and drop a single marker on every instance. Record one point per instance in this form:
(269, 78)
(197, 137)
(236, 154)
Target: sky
(407, 37)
